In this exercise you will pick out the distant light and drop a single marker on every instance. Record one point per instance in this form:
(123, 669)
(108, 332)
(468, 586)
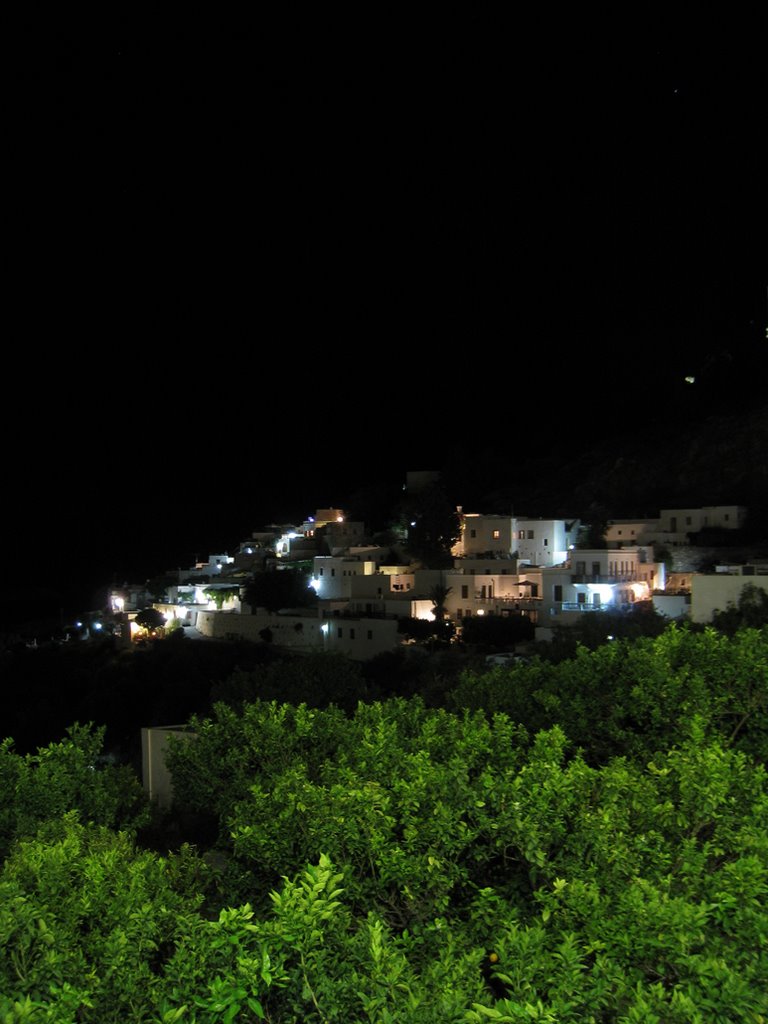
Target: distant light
(690, 380)
(325, 628)
(339, 519)
(481, 611)
(315, 584)
(97, 625)
(604, 590)
(413, 523)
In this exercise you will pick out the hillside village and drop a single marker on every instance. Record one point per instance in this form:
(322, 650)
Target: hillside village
(543, 573)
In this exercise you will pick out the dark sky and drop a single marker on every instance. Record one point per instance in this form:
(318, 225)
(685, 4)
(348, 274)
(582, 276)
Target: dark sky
(253, 267)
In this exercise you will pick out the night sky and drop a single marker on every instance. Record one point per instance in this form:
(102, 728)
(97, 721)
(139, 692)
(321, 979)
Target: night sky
(255, 267)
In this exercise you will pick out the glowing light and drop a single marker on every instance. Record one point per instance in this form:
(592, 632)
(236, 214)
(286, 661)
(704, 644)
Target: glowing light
(325, 628)
(481, 611)
(603, 590)
(315, 584)
(641, 591)
(339, 519)
(690, 380)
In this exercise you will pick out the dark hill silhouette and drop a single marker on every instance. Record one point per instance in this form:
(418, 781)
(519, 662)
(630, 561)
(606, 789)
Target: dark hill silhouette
(722, 459)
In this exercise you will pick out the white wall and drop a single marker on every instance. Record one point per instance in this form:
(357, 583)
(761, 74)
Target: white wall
(361, 638)
(156, 778)
(711, 593)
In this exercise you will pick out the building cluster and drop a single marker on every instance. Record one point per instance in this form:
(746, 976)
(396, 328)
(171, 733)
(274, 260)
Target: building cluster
(501, 566)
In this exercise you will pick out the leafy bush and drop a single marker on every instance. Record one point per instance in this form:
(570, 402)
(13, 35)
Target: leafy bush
(62, 777)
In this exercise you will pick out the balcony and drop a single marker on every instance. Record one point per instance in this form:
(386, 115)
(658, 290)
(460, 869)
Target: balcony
(627, 577)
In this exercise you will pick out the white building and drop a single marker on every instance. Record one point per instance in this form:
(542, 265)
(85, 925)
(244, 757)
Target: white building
(712, 592)
(622, 532)
(530, 541)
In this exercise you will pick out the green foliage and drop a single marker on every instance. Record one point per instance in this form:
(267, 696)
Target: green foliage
(633, 697)
(317, 680)
(592, 630)
(749, 612)
(63, 777)
(150, 618)
(220, 595)
(601, 825)
(86, 921)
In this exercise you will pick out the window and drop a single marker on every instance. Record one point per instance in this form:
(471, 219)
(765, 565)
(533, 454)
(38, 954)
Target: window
(351, 634)
(497, 533)
(339, 632)
(473, 533)
(370, 634)
(465, 591)
(546, 541)
(558, 592)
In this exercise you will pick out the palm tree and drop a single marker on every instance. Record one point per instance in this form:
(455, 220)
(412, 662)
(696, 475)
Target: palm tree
(437, 596)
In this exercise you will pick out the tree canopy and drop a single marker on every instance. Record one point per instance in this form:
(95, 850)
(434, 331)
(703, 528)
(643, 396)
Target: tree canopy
(577, 842)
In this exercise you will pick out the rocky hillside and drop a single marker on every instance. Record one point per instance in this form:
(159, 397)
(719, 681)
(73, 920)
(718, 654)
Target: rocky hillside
(717, 460)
